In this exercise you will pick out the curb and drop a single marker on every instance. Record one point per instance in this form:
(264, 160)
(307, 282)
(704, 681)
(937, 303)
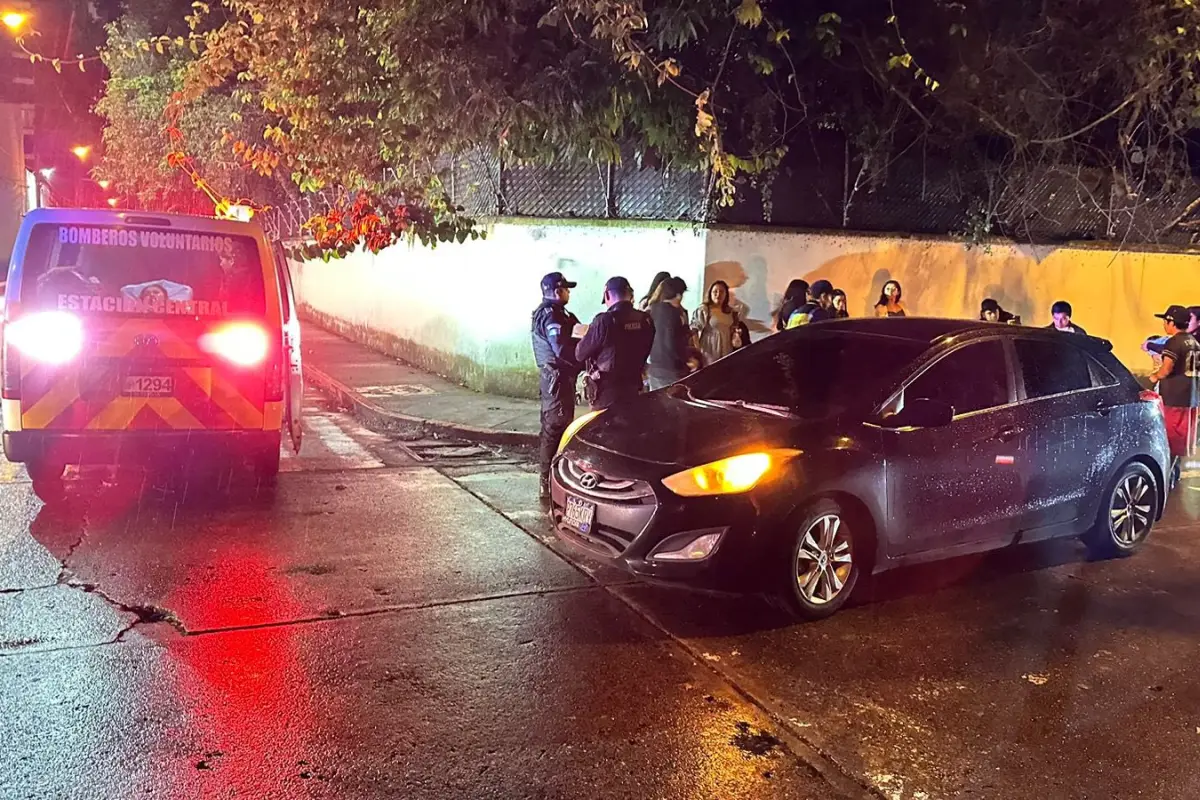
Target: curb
(378, 418)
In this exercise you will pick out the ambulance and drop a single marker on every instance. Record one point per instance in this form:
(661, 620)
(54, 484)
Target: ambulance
(155, 339)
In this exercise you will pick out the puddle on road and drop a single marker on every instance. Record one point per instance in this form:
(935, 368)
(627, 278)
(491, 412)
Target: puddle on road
(754, 742)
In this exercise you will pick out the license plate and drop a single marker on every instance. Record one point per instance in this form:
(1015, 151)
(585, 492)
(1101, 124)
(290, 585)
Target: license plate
(580, 514)
(149, 385)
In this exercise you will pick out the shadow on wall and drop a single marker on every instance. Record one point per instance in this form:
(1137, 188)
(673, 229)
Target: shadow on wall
(937, 280)
(747, 287)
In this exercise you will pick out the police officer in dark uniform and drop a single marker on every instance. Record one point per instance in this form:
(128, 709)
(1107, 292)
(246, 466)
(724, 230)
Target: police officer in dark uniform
(615, 347)
(554, 352)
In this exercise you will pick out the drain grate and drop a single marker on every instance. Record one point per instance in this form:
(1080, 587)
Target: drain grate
(442, 450)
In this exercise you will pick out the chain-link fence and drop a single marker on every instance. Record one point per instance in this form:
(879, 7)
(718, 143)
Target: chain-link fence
(915, 196)
(486, 187)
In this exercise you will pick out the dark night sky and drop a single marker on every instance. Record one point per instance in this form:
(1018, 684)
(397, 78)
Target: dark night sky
(64, 115)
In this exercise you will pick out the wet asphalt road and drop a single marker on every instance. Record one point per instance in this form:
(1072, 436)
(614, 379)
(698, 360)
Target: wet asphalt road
(396, 621)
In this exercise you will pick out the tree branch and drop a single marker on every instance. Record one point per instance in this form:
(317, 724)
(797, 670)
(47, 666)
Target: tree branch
(1178, 222)
(1094, 123)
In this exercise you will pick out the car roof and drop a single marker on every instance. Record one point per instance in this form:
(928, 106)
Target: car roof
(934, 330)
(917, 329)
(151, 219)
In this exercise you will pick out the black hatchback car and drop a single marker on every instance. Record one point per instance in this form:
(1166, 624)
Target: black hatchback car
(838, 450)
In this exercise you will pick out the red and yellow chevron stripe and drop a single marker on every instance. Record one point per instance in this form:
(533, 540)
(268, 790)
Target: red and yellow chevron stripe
(88, 395)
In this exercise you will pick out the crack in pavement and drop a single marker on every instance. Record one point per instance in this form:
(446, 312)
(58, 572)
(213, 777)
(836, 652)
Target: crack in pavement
(21, 589)
(143, 614)
(152, 614)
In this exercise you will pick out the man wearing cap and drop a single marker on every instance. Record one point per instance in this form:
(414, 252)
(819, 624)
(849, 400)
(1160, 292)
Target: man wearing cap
(1155, 344)
(616, 346)
(991, 311)
(818, 308)
(554, 352)
(1176, 378)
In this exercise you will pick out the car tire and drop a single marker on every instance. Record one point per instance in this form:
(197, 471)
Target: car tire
(1127, 513)
(48, 482)
(822, 566)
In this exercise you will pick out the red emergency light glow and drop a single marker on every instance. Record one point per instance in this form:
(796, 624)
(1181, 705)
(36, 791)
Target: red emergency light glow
(242, 343)
(51, 337)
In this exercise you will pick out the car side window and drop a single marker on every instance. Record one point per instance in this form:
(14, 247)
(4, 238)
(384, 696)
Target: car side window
(1051, 368)
(1101, 375)
(973, 378)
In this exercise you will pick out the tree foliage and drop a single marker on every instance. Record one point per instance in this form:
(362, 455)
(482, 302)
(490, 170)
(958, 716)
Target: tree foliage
(365, 102)
(147, 68)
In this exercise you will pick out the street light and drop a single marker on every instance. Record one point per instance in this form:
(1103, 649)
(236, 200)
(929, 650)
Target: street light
(104, 184)
(47, 172)
(112, 201)
(82, 151)
(13, 20)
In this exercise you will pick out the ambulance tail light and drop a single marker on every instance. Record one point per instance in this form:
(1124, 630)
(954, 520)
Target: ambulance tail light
(48, 337)
(243, 344)
(275, 380)
(12, 373)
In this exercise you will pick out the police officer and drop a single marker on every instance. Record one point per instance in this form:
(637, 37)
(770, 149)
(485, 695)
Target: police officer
(554, 352)
(616, 346)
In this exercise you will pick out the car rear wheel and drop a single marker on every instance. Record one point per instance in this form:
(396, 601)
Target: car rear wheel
(823, 568)
(1126, 515)
(47, 477)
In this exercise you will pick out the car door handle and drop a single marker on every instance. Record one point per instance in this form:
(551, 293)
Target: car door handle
(1008, 434)
(1103, 409)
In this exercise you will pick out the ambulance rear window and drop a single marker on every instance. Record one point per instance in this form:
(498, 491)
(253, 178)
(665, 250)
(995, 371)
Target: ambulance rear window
(96, 269)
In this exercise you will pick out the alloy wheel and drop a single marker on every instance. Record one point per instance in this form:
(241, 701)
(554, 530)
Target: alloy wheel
(824, 560)
(1131, 513)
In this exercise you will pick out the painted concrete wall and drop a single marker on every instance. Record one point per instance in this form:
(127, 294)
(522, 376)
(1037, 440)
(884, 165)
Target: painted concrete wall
(464, 311)
(1114, 294)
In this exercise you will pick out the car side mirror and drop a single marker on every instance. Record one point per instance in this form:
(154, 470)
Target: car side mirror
(921, 412)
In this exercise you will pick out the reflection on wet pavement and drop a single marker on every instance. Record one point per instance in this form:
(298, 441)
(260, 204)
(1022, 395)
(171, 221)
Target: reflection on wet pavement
(386, 629)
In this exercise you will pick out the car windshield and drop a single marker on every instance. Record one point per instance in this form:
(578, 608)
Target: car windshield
(807, 373)
(97, 269)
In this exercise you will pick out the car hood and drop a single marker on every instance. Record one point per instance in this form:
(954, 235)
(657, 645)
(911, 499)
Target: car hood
(666, 429)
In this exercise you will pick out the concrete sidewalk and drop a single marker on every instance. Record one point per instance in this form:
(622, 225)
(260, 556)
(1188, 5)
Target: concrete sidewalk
(387, 394)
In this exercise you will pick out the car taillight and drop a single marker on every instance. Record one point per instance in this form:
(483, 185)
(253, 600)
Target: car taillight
(50, 337)
(1151, 397)
(242, 343)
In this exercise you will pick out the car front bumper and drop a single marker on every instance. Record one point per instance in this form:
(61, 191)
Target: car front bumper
(134, 447)
(636, 517)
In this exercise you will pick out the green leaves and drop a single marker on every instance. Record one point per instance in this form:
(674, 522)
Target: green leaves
(749, 13)
(762, 65)
(828, 33)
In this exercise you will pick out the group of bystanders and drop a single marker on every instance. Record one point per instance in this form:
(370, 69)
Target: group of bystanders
(629, 348)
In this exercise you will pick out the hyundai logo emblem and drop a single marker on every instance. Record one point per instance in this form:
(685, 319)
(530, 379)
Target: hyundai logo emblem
(590, 480)
(145, 340)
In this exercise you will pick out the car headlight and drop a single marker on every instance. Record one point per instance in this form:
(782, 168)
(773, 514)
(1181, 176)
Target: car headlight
(575, 427)
(732, 475)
